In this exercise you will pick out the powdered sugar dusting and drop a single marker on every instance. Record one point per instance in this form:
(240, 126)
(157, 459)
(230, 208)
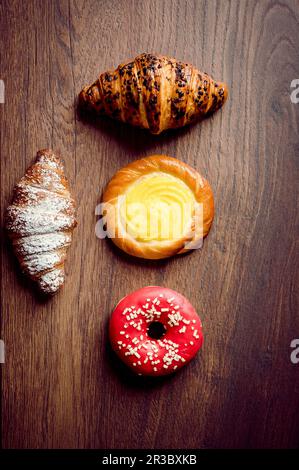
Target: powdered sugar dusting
(46, 178)
(40, 221)
(50, 282)
(36, 220)
(34, 244)
(36, 264)
(28, 193)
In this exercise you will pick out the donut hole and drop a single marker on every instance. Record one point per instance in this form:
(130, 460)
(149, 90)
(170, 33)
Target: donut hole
(156, 330)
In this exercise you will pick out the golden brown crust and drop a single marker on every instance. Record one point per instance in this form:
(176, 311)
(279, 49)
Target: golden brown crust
(126, 176)
(155, 92)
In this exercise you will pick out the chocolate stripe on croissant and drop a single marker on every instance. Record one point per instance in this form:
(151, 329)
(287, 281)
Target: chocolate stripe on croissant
(155, 92)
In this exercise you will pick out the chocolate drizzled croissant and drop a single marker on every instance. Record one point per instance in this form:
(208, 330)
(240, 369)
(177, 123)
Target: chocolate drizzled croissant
(155, 92)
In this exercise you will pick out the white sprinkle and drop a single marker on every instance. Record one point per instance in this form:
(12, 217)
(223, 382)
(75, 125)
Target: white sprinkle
(126, 310)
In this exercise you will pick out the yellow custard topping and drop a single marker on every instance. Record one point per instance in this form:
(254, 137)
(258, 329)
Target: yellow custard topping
(157, 207)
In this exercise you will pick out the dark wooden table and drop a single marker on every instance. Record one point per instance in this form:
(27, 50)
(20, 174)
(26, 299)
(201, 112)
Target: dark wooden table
(61, 385)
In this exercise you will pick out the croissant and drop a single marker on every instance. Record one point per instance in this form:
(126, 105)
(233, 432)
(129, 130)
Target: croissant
(40, 221)
(155, 92)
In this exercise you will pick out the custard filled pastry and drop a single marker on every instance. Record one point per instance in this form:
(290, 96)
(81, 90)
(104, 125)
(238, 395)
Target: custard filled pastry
(157, 207)
(155, 92)
(40, 221)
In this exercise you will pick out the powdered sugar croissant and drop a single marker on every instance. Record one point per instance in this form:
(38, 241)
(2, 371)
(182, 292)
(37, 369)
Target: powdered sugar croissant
(40, 221)
(155, 92)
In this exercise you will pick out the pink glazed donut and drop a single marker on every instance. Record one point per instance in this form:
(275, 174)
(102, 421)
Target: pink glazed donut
(155, 331)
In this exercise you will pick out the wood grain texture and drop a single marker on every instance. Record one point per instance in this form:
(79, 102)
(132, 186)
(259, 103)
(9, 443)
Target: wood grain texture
(61, 385)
